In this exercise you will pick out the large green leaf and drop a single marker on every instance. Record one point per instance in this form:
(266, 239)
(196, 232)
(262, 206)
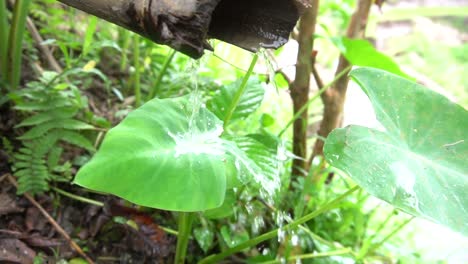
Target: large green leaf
(360, 52)
(418, 161)
(250, 100)
(167, 154)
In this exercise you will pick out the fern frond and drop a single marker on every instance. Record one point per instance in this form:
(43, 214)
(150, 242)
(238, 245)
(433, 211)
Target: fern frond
(43, 128)
(59, 113)
(77, 140)
(31, 170)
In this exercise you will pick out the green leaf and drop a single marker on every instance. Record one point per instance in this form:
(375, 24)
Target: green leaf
(43, 128)
(57, 113)
(204, 237)
(266, 120)
(225, 210)
(167, 154)
(77, 139)
(360, 52)
(235, 237)
(262, 163)
(418, 163)
(250, 100)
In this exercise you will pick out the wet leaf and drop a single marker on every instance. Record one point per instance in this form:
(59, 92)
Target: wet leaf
(234, 237)
(264, 154)
(417, 162)
(204, 237)
(167, 154)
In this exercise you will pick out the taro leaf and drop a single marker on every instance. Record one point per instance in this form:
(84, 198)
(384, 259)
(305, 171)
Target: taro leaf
(248, 103)
(360, 52)
(419, 163)
(166, 155)
(264, 165)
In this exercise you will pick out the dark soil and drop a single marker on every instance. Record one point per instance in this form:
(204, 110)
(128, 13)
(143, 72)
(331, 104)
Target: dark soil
(114, 233)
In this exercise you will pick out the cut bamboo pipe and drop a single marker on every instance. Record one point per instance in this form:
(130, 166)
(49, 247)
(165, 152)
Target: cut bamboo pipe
(185, 25)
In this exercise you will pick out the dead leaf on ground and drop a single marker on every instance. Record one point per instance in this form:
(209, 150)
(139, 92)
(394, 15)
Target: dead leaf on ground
(8, 205)
(13, 250)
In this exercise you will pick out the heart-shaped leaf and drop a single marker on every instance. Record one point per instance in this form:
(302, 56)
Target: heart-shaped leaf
(419, 162)
(167, 154)
(360, 52)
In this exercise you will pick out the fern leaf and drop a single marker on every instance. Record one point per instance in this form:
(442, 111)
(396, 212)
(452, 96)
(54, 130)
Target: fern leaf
(41, 129)
(31, 170)
(59, 113)
(54, 157)
(47, 142)
(77, 140)
(42, 106)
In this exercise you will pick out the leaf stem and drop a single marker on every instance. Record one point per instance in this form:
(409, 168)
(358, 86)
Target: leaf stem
(185, 229)
(162, 72)
(15, 42)
(269, 235)
(77, 197)
(396, 230)
(311, 255)
(240, 91)
(3, 44)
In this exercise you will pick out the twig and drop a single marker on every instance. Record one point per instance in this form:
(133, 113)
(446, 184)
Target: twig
(44, 49)
(300, 87)
(72, 243)
(317, 78)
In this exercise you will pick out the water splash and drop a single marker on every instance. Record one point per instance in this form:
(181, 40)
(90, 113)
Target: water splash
(207, 142)
(404, 194)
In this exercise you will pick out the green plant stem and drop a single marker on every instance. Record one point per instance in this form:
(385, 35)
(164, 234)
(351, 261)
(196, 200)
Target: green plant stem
(136, 65)
(317, 95)
(125, 35)
(299, 209)
(332, 245)
(185, 229)
(368, 242)
(15, 42)
(240, 91)
(311, 255)
(101, 204)
(162, 72)
(391, 234)
(269, 235)
(4, 43)
(77, 197)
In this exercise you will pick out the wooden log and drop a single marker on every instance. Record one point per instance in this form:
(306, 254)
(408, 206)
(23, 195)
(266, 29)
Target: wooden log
(185, 25)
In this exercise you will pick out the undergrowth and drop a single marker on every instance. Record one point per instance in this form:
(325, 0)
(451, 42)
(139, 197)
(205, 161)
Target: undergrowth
(52, 111)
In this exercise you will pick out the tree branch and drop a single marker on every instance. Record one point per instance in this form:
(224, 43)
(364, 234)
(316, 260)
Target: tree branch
(300, 87)
(333, 99)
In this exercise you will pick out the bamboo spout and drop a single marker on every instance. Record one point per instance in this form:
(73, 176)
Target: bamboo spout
(185, 25)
